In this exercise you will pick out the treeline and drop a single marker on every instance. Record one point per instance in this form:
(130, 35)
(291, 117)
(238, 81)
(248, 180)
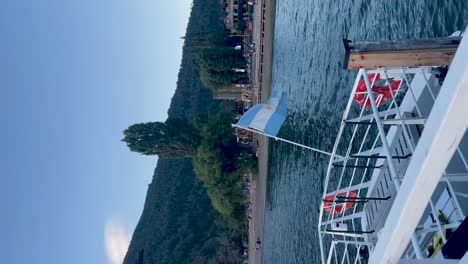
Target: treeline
(220, 63)
(179, 223)
(220, 162)
(176, 138)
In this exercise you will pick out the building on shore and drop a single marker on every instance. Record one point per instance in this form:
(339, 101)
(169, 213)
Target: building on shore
(235, 10)
(228, 93)
(239, 93)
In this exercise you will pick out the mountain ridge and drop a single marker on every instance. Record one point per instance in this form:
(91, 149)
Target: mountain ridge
(177, 224)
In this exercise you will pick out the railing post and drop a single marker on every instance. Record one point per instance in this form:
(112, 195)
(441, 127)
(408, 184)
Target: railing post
(388, 154)
(330, 252)
(455, 199)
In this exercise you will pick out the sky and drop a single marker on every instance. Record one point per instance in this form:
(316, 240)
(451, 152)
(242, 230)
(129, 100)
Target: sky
(73, 76)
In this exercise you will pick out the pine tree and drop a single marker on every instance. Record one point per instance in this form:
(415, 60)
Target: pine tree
(173, 139)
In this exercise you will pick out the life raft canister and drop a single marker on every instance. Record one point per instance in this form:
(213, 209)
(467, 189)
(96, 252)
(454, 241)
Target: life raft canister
(340, 207)
(361, 91)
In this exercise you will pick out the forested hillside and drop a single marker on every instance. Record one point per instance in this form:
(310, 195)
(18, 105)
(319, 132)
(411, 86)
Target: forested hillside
(191, 96)
(178, 221)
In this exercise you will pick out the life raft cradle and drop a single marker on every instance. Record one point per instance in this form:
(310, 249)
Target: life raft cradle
(340, 203)
(383, 91)
(332, 203)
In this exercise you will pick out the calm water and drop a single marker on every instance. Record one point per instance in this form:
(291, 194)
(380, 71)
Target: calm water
(308, 57)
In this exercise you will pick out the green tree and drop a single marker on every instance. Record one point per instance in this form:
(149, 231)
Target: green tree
(213, 39)
(220, 164)
(217, 58)
(241, 26)
(221, 58)
(215, 79)
(173, 139)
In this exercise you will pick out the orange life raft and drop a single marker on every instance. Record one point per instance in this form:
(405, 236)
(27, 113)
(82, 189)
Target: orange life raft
(361, 91)
(339, 207)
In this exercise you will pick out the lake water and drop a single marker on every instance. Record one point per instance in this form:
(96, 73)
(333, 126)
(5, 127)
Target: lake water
(308, 58)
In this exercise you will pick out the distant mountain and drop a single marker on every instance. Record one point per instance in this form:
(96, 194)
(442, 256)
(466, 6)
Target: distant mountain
(177, 220)
(177, 223)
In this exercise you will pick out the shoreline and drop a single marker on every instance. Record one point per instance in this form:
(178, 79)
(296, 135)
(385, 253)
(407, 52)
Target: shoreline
(263, 32)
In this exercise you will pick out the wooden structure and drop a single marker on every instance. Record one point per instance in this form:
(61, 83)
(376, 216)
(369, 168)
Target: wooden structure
(400, 53)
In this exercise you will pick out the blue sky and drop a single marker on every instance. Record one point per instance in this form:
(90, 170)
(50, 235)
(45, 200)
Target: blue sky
(73, 75)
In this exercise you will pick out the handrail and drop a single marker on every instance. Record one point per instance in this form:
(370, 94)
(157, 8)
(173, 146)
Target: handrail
(379, 138)
(332, 158)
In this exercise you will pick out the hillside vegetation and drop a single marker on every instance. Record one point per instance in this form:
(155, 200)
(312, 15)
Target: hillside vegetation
(179, 223)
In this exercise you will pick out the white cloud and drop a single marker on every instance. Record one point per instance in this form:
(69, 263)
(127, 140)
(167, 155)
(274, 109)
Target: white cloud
(117, 239)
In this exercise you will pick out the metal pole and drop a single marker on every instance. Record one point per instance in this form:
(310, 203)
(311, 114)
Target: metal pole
(438, 223)
(357, 166)
(455, 177)
(352, 242)
(330, 252)
(343, 218)
(356, 232)
(388, 153)
(455, 199)
(391, 122)
(364, 198)
(380, 157)
(349, 199)
(287, 141)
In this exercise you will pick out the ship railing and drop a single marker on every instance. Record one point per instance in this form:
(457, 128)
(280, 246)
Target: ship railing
(365, 138)
(444, 212)
(434, 182)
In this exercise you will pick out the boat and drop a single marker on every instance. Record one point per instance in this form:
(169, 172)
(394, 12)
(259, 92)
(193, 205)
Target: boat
(396, 187)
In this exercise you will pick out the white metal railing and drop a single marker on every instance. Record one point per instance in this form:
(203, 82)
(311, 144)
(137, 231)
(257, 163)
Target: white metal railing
(446, 182)
(339, 180)
(371, 150)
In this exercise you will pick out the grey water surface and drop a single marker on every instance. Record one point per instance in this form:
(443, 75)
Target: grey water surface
(307, 64)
